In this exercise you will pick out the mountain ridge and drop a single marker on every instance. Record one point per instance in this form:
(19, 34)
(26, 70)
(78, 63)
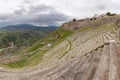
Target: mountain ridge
(26, 27)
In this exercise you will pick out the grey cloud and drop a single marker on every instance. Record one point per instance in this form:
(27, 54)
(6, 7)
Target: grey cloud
(20, 11)
(106, 5)
(48, 15)
(101, 6)
(40, 9)
(37, 15)
(27, 1)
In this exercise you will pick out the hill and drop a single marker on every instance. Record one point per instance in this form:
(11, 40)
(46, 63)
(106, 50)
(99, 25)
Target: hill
(14, 38)
(26, 27)
(86, 49)
(22, 34)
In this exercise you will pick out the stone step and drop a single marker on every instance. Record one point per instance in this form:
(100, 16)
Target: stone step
(89, 72)
(114, 65)
(79, 68)
(102, 72)
(66, 70)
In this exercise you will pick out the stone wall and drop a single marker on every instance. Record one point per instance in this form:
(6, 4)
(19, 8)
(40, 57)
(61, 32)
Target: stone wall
(91, 22)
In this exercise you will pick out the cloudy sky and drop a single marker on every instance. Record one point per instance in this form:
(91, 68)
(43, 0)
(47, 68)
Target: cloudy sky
(52, 12)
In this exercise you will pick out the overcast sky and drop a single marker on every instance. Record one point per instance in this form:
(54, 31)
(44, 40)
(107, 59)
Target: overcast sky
(52, 12)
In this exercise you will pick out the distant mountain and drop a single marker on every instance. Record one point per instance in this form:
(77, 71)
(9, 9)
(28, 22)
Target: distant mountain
(26, 27)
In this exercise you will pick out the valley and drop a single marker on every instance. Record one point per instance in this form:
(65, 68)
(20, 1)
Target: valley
(15, 38)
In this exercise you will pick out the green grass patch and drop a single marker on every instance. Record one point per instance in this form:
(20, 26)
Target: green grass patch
(18, 64)
(54, 38)
(83, 29)
(70, 45)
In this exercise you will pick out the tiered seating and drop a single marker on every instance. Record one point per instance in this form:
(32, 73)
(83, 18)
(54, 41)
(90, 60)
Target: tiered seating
(58, 71)
(82, 56)
(102, 71)
(114, 65)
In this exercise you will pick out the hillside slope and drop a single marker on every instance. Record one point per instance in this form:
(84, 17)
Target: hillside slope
(14, 38)
(22, 34)
(79, 50)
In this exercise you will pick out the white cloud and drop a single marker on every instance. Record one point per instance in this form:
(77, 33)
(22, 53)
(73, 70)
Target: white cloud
(34, 9)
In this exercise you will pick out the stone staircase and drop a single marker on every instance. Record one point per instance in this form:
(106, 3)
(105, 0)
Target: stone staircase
(98, 65)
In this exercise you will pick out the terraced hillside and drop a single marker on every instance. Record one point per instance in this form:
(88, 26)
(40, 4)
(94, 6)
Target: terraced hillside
(79, 53)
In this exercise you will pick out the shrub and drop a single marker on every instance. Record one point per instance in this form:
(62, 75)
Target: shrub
(110, 14)
(74, 19)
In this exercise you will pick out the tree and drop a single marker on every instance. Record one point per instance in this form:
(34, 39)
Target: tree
(74, 19)
(109, 14)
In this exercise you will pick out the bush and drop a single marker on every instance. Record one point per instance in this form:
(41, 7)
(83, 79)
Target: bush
(74, 19)
(110, 14)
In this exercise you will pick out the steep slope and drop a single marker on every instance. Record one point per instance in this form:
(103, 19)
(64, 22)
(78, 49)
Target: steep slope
(76, 53)
(22, 34)
(14, 38)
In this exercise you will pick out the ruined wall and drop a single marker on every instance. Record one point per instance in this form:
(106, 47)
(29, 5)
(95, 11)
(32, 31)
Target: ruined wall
(91, 22)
